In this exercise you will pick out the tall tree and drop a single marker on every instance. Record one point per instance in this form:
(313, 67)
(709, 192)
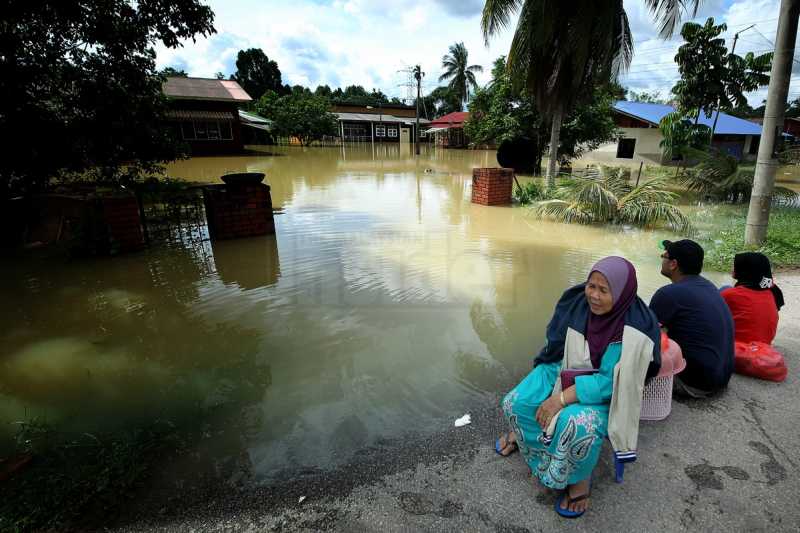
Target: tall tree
(301, 114)
(459, 72)
(173, 72)
(498, 113)
(441, 101)
(644, 96)
(256, 73)
(79, 89)
(711, 80)
(561, 48)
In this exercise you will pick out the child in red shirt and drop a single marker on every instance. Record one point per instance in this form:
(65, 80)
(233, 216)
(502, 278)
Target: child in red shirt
(755, 300)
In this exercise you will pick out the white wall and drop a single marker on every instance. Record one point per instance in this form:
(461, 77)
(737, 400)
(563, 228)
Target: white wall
(647, 147)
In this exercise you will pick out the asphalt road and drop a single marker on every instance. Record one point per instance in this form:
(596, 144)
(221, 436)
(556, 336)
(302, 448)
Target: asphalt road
(731, 463)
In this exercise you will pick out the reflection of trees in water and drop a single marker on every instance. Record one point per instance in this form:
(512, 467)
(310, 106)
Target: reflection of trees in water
(528, 281)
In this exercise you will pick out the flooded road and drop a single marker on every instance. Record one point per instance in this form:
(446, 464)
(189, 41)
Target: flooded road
(385, 304)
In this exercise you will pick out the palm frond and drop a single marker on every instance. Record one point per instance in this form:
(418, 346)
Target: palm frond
(623, 43)
(668, 13)
(496, 16)
(563, 211)
(649, 213)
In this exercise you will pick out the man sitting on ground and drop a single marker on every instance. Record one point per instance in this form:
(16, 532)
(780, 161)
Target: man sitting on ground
(697, 318)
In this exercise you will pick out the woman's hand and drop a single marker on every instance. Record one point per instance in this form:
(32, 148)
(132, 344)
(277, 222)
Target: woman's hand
(547, 410)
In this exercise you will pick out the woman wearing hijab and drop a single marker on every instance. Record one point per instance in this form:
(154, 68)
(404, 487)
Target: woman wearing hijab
(602, 331)
(755, 300)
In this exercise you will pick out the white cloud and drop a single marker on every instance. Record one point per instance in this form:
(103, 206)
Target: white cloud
(366, 42)
(653, 66)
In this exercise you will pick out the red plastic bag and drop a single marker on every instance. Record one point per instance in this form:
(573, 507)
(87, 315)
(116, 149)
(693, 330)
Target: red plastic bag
(759, 360)
(664, 342)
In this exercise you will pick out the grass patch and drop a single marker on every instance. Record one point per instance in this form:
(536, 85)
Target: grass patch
(782, 246)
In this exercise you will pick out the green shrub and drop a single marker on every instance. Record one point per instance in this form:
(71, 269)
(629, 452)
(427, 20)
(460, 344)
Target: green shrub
(533, 191)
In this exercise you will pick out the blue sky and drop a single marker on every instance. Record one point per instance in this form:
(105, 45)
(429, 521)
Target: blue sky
(371, 42)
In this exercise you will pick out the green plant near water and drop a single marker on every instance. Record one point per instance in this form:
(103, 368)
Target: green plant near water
(74, 480)
(533, 191)
(723, 178)
(607, 196)
(782, 245)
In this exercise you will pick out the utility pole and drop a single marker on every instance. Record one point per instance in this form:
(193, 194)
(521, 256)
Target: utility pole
(418, 74)
(755, 232)
(733, 50)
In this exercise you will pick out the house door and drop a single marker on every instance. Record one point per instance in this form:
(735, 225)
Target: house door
(405, 135)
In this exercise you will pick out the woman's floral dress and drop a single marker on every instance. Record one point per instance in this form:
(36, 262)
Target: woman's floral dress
(572, 452)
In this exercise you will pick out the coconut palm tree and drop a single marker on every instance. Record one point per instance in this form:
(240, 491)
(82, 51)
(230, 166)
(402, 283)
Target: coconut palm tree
(722, 177)
(603, 196)
(461, 76)
(560, 49)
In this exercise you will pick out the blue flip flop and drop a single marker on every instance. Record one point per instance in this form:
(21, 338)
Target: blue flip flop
(499, 451)
(566, 513)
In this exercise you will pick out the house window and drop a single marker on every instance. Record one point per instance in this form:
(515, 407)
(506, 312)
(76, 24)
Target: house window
(354, 131)
(200, 131)
(392, 132)
(187, 131)
(225, 131)
(206, 130)
(626, 148)
(380, 131)
(213, 130)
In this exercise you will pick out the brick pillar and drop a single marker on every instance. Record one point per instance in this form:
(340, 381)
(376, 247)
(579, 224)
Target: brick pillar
(121, 215)
(492, 186)
(236, 211)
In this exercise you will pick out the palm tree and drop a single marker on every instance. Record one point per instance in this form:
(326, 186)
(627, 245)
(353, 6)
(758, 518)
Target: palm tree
(562, 49)
(606, 195)
(722, 177)
(461, 76)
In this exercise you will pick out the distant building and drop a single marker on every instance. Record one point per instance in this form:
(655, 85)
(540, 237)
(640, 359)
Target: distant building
(641, 137)
(204, 113)
(448, 130)
(393, 123)
(255, 128)
(791, 125)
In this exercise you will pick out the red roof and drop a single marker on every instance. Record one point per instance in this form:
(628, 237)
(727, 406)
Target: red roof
(451, 119)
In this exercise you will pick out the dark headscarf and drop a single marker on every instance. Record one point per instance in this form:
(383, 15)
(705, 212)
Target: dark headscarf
(752, 270)
(602, 330)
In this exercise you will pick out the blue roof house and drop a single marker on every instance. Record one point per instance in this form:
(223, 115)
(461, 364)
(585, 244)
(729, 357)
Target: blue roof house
(641, 138)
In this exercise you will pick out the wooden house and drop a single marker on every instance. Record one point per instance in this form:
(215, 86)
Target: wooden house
(204, 113)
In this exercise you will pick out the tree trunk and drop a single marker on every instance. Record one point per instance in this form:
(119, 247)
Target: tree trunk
(552, 163)
(755, 232)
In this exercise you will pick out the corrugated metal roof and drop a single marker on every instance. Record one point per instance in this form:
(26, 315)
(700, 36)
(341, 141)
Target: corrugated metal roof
(253, 118)
(369, 117)
(456, 118)
(181, 114)
(204, 89)
(653, 113)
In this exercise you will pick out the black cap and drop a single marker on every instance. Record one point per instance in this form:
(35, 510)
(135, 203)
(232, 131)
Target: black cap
(687, 253)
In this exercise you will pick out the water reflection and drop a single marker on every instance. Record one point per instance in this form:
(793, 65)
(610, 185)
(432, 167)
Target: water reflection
(248, 263)
(385, 303)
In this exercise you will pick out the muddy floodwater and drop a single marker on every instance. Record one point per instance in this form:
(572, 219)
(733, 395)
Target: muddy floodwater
(386, 303)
